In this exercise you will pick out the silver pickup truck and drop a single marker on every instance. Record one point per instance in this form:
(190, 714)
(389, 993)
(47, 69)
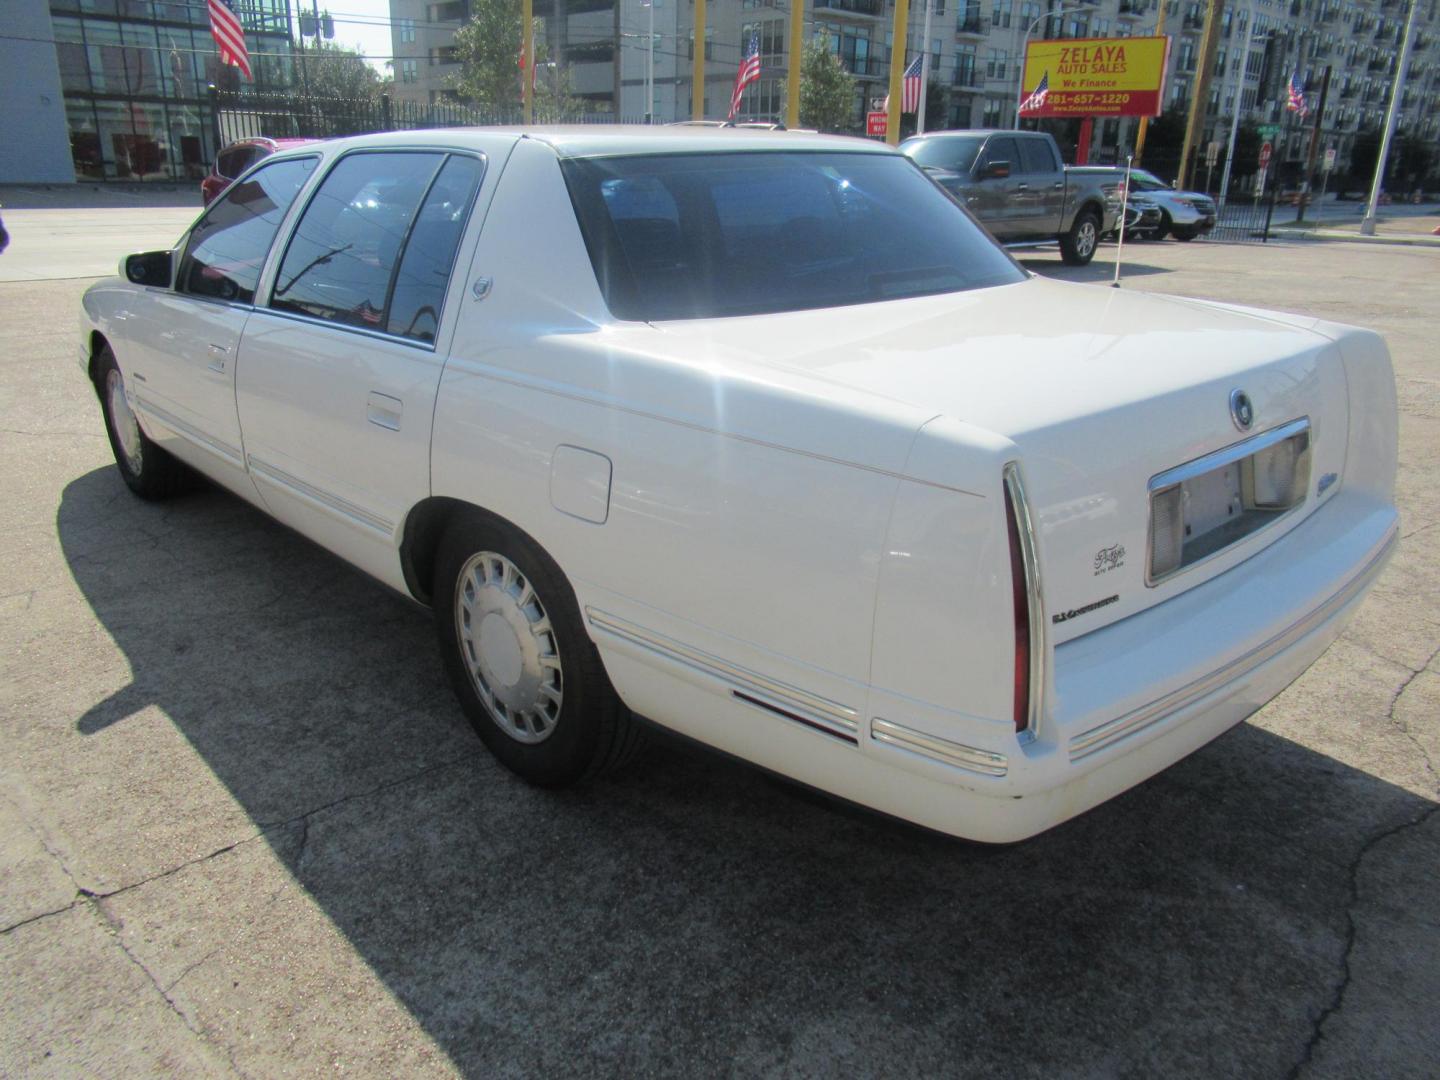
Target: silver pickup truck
(1016, 184)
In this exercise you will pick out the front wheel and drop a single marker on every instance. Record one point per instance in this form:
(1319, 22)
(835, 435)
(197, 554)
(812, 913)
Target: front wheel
(519, 660)
(1183, 234)
(148, 470)
(1077, 247)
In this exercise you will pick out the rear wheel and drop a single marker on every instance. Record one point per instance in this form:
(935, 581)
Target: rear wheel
(147, 470)
(1165, 225)
(1183, 234)
(519, 660)
(1077, 247)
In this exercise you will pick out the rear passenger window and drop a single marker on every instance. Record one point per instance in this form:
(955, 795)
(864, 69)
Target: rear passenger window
(360, 229)
(228, 246)
(1037, 156)
(419, 290)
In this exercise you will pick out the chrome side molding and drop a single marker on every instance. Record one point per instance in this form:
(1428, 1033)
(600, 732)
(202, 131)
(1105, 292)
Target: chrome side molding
(957, 755)
(748, 686)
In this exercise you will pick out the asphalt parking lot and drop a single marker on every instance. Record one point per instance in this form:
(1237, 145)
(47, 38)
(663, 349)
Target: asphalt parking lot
(245, 830)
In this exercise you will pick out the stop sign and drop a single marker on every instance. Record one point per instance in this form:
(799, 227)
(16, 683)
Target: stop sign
(1265, 149)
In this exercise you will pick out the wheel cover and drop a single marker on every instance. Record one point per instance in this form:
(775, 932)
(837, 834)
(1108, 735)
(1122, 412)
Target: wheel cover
(509, 647)
(1085, 238)
(123, 422)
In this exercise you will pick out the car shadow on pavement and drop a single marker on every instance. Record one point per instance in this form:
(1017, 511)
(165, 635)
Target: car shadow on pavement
(1101, 271)
(687, 915)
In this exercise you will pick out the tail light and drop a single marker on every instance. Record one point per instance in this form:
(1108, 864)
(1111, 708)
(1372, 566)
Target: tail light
(1029, 615)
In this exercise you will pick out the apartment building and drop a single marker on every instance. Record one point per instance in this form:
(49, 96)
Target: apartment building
(976, 46)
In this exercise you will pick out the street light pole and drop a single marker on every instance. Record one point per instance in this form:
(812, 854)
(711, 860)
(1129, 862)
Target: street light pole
(1367, 225)
(1025, 45)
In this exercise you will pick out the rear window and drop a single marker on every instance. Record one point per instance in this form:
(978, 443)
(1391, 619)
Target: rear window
(952, 152)
(684, 236)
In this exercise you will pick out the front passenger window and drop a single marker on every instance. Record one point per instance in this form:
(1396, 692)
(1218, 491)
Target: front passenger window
(228, 246)
(343, 255)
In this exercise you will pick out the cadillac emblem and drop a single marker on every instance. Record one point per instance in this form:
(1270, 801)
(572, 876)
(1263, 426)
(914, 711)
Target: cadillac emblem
(1242, 411)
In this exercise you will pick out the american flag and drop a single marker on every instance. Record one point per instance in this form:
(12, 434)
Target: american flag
(1036, 100)
(229, 34)
(1296, 103)
(749, 72)
(910, 90)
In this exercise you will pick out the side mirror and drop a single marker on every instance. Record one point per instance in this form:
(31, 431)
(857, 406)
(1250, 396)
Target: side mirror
(147, 268)
(995, 170)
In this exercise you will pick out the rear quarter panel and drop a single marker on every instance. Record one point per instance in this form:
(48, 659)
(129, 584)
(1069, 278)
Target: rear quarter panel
(744, 519)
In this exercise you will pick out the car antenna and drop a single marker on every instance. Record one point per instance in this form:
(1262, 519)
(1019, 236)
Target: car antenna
(1124, 206)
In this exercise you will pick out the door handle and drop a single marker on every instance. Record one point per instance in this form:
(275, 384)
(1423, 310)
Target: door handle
(1060, 185)
(1022, 187)
(218, 355)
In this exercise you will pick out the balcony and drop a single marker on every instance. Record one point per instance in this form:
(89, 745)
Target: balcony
(1133, 9)
(970, 25)
(967, 81)
(869, 8)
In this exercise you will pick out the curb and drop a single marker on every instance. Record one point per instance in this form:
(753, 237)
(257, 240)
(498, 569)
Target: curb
(1354, 238)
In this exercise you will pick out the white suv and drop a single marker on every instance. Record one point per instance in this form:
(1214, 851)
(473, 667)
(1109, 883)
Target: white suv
(1183, 214)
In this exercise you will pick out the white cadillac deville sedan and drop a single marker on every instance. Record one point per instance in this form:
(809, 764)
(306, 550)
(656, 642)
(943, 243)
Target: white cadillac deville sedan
(758, 436)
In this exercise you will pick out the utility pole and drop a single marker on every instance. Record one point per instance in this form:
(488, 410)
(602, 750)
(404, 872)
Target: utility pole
(797, 51)
(527, 52)
(899, 31)
(924, 71)
(1213, 14)
(1145, 120)
(1314, 146)
(697, 68)
(1367, 226)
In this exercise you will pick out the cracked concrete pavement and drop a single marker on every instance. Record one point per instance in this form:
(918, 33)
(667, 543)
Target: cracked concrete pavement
(245, 831)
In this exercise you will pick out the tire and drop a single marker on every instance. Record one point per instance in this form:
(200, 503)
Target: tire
(1166, 224)
(147, 470)
(527, 675)
(1182, 234)
(1077, 247)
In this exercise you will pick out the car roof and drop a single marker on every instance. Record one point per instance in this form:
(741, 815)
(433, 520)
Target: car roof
(609, 140)
(976, 133)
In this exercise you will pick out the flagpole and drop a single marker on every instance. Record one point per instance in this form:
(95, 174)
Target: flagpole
(924, 72)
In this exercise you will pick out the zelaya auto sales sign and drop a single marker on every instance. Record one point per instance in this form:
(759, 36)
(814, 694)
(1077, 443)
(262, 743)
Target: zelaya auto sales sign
(1094, 77)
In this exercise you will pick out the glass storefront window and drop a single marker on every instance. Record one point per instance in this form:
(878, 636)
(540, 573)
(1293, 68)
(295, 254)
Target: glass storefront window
(136, 75)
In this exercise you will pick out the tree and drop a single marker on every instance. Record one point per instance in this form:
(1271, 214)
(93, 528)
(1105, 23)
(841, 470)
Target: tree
(330, 72)
(488, 50)
(827, 92)
(1364, 153)
(1416, 160)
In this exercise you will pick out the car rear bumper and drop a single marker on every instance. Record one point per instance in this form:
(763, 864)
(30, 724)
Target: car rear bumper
(1129, 699)
(1135, 697)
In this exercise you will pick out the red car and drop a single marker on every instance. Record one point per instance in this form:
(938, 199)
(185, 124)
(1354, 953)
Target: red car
(239, 156)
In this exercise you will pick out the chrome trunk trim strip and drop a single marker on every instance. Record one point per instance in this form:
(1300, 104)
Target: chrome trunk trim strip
(1227, 455)
(957, 755)
(771, 693)
(1029, 556)
(1137, 720)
